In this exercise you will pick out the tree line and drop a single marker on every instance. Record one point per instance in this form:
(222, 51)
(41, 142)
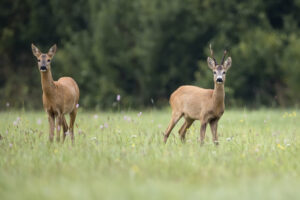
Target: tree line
(144, 49)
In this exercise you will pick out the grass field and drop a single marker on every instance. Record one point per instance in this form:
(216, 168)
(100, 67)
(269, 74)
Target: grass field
(122, 156)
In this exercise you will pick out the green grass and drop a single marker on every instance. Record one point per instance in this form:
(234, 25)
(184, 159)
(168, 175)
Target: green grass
(258, 158)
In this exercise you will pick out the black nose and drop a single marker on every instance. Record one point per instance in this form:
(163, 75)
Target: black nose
(43, 68)
(219, 80)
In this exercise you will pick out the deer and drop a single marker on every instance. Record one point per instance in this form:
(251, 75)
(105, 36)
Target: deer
(195, 103)
(59, 97)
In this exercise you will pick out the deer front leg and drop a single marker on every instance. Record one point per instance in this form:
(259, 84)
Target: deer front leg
(202, 132)
(58, 127)
(51, 120)
(214, 126)
(65, 128)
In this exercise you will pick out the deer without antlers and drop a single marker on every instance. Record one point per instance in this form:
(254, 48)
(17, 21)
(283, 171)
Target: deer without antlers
(195, 103)
(59, 97)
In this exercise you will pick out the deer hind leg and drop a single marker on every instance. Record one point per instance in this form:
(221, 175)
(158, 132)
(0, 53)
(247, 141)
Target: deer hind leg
(51, 120)
(174, 119)
(188, 122)
(65, 127)
(214, 126)
(72, 121)
(182, 127)
(202, 132)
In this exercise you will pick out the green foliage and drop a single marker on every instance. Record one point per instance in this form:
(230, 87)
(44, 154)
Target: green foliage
(145, 49)
(258, 67)
(289, 64)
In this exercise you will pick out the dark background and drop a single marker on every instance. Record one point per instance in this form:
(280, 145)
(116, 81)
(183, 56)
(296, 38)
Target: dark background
(145, 49)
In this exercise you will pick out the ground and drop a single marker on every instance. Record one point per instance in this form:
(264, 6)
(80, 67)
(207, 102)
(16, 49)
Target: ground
(121, 155)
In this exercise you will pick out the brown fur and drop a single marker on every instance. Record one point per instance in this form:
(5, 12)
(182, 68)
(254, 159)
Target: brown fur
(195, 103)
(59, 97)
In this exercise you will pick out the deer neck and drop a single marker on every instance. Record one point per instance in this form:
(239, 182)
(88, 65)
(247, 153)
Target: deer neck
(48, 85)
(218, 95)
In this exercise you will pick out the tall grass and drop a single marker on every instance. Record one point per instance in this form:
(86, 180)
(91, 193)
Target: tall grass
(122, 156)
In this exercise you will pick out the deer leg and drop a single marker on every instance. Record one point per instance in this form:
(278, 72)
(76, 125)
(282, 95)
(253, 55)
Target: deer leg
(51, 120)
(175, 118)
(202, 132)
(182, 127)
(72, 120)
(214, 126)
(65, 127)
(185, 126)
(58, 127)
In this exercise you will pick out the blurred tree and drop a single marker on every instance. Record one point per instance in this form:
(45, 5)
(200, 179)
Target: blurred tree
(145, 49)
(22, 22)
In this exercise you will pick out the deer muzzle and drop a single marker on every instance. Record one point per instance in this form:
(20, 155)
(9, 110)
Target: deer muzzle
(43, 68)
(219, 80)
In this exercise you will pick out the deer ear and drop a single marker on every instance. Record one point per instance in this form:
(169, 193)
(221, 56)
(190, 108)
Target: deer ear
(52, 51)
(36, 52)
(227, 63)
(211, 63)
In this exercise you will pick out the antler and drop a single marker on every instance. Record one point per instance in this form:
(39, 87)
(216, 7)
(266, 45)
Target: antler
(225, 52)
(212, 54)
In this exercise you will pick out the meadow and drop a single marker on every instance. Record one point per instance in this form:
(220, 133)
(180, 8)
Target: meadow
(121, 155)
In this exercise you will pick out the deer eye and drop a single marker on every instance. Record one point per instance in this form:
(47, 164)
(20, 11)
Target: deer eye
(224, 72)
(48, 60)
(39, 60)
(215, 72)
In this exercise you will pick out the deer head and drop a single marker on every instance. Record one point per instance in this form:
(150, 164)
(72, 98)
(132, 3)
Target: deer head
(43, 59)
(219, 70)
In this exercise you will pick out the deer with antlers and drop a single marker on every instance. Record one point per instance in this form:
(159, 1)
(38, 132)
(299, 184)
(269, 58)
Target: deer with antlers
(195, 103)
(59, 97)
